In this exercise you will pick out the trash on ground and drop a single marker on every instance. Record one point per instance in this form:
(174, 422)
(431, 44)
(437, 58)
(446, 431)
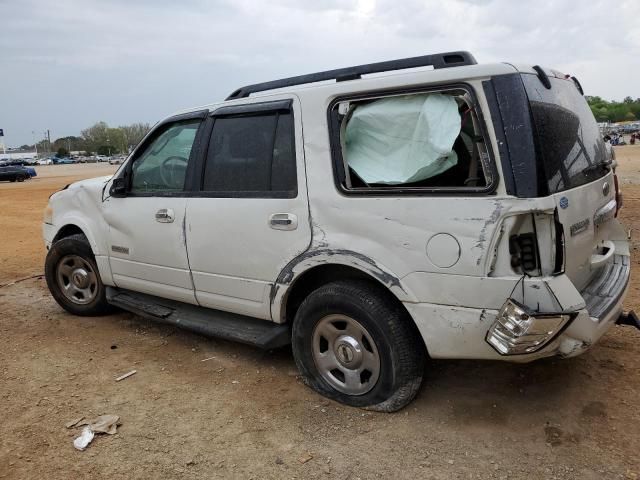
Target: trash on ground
(84, 439)
(126, 375)
(207, 359)
(103, 424)
(305, 458)
(74, 422)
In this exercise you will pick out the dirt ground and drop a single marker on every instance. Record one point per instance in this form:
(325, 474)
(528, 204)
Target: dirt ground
(202, 408)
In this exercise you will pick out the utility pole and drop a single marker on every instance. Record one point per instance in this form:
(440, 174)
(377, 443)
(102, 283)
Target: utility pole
(35, 144)
(49, 140)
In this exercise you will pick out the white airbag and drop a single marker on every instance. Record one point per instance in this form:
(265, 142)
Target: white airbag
(403, 139)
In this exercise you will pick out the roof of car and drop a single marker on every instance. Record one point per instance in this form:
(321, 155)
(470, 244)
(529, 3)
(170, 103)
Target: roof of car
(442, 67)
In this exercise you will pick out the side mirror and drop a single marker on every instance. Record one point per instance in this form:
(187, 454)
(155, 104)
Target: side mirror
(118, 188)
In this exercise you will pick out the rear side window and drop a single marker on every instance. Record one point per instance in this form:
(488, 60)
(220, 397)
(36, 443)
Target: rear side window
(252, 155)
(569, 146)
(410, 142)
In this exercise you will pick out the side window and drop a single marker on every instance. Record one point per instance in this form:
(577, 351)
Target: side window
(252, 155)
(162, 166)
(422, 140)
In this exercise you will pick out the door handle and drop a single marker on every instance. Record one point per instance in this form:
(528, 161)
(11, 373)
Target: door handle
(283, 221)
(165, 215)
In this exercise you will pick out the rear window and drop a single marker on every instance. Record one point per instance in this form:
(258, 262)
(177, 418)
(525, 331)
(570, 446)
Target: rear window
(569, 146)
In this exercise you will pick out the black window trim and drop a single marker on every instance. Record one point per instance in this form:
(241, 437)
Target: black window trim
(243, 110)
(338, 162)
(150, 137)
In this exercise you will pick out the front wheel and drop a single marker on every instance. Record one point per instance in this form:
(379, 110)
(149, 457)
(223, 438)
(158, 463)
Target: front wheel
(73, 278)
(355, 344)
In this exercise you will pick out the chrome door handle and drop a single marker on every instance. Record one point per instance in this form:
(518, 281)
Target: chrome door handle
(283, 221)
(165, 215)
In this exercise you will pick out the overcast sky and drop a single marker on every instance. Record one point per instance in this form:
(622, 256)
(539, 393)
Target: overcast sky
(67, 64)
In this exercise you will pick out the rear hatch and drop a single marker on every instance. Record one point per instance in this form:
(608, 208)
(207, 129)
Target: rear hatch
(574, 167)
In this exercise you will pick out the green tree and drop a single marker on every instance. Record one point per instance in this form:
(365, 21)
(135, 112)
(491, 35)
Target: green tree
(612, 111)
(62, 152)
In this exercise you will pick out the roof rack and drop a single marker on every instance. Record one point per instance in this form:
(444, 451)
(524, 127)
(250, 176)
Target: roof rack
(438, 60)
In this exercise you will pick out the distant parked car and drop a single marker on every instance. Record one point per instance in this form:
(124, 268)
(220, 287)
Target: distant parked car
(45, 161)
(31, 171)
(116, 160)
(14, 174)
(62, 161)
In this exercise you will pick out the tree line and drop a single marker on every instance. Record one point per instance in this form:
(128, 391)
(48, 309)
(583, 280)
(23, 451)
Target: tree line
(612, 111)
(98, 139)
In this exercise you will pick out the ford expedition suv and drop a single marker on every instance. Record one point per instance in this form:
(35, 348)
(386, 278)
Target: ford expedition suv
(370, 216)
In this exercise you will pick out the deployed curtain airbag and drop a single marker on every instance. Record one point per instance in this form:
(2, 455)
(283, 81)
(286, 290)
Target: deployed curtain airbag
(402, 139)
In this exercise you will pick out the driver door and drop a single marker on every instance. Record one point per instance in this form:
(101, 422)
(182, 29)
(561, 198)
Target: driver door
(147, 248)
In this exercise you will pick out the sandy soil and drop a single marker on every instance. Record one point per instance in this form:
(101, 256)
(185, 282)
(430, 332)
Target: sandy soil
(244, 413)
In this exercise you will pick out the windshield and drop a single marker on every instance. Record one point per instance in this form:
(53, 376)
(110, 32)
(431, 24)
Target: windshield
(568, 143)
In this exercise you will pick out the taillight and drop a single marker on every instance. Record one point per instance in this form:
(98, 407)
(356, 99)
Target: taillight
(618, 194)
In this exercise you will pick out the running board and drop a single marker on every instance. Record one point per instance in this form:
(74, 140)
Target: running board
(205, 321)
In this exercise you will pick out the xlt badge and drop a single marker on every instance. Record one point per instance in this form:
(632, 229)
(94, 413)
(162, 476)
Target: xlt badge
(579, 227)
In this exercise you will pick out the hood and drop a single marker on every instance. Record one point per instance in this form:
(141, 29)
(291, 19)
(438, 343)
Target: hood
(90, 183)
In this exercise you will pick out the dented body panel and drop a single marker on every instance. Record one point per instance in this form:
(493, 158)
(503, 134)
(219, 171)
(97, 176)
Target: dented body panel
(448, 259)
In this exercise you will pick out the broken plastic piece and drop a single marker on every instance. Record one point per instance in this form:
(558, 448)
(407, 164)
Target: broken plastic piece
(126, 375)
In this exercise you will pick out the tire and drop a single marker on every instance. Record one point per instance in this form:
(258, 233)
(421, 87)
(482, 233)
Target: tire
(375, 326)
(12, 179)
(20, 178)
(70, 262)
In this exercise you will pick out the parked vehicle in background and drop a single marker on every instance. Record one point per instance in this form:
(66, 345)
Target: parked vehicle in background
(15, 173)
(62, 161)
(45, 161)
(102, 158)
(467, 211)
(116, 160)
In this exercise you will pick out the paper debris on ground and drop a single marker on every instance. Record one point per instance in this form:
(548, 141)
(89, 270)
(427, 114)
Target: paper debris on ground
(126, 375)
(84, 439)
(305, 458)
(103, 424)
(73, 423)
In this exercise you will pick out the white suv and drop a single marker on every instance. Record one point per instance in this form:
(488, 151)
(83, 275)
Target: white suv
(466, 211)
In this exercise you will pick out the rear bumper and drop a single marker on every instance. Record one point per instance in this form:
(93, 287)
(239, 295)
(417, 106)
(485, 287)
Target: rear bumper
(460, 332)
(603, 297)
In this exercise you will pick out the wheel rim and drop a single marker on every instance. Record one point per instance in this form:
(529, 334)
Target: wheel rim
(345, 354)
(77, 279)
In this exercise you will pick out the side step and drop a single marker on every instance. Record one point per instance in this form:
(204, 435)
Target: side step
(206, 321)
(630, 318)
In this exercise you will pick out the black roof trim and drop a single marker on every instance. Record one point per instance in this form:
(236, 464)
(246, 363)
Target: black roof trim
(438, 60)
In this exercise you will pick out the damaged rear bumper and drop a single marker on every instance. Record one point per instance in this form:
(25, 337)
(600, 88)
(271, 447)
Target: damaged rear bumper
(453, 331)
(603, 297)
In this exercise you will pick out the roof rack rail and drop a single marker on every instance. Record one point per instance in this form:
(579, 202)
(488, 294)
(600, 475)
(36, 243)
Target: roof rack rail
(438, 60)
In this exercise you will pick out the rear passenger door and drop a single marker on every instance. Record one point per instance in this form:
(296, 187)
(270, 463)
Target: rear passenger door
(250, 216)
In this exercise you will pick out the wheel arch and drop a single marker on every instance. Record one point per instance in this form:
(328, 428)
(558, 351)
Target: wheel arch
(297, 282)
(66, 231)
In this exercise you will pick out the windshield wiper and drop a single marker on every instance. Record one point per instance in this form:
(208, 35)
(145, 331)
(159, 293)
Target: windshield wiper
(603, 164)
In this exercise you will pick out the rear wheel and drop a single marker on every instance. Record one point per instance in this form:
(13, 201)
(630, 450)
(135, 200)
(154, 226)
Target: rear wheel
(20, 178)
(355, 344)
(73, 278)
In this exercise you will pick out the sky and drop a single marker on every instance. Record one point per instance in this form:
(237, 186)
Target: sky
(67, 64)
